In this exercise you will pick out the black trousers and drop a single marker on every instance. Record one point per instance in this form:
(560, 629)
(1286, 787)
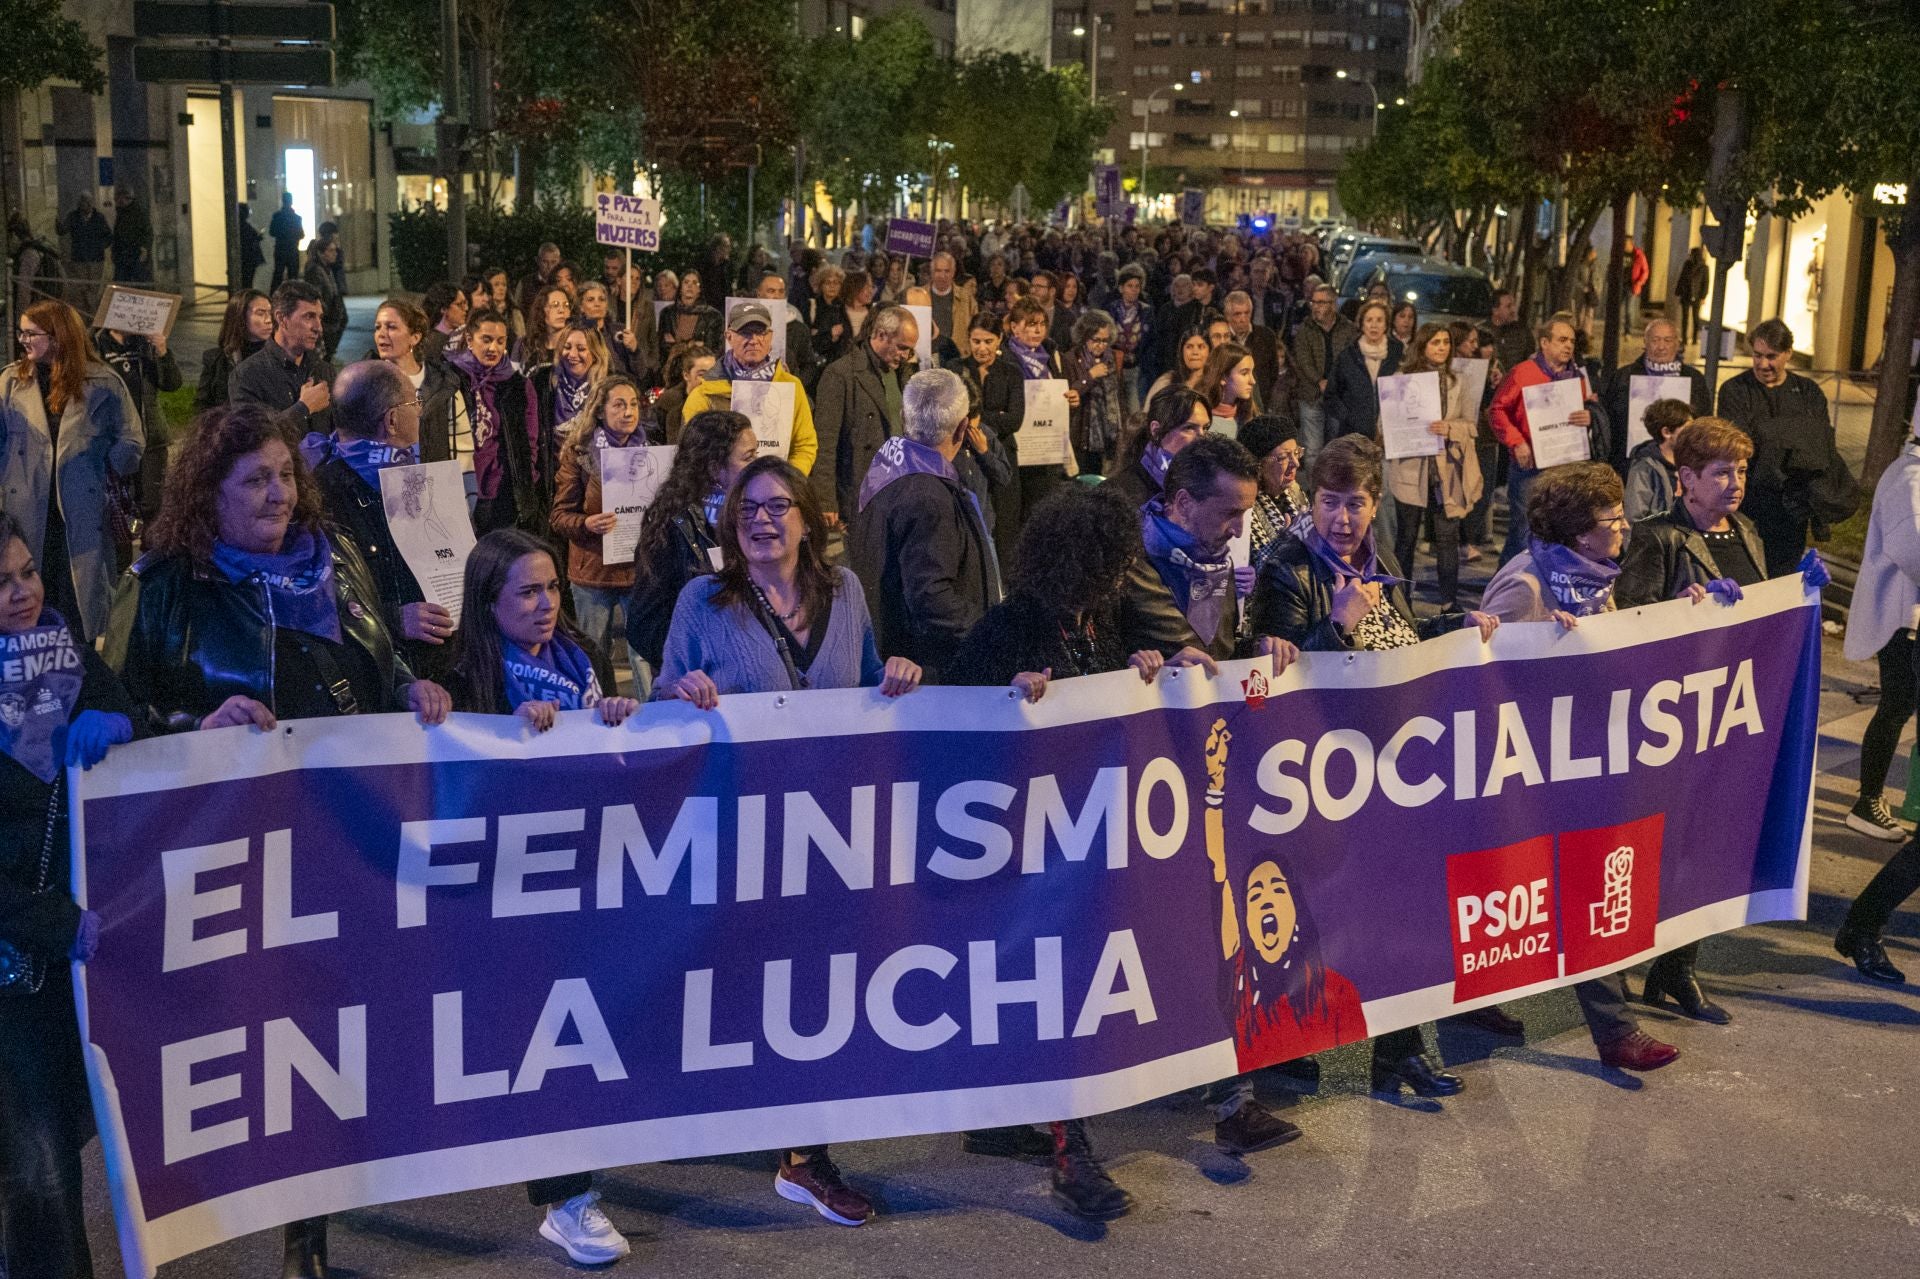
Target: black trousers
(1446, 547)
(1898, 682)
(1895, 883)
(549, 1191)
(1603, 1001)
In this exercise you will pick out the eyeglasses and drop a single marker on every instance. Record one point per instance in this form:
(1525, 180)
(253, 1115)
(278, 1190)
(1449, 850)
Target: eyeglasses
(28, 334)
(1287, 454)
(775, 507)
(414, 403)
(1612, 521)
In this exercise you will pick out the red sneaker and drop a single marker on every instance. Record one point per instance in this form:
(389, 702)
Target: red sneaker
(817, 1184)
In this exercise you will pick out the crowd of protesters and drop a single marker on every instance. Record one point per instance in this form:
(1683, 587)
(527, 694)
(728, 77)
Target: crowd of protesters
(894, 539)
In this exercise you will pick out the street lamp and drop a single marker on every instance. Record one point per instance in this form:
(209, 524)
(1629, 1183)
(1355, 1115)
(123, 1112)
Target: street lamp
(1147, 132)
(1378, 106)
(1080, 31)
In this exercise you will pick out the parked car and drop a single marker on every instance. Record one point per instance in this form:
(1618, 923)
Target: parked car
(1360, 273)
(1370, 244)
(1441, 291)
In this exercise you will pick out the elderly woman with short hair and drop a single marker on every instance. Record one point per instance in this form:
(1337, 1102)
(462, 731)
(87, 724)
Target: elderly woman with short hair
(1091, 370)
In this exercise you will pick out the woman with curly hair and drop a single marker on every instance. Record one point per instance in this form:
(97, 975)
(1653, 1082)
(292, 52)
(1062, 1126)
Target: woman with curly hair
(245, 611)
(1063, 618)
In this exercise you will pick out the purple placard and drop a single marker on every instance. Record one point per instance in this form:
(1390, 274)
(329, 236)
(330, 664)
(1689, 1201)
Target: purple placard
(915, 239)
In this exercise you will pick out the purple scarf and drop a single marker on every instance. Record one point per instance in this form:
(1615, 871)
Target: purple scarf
(1367, 570)
(485, 383)
(367, 457)
(570, 392)
(898, 458)
(40, 676)
(1579, 586)
(298, 581)
(1033, 359)
(1201, 582)
(734, 371)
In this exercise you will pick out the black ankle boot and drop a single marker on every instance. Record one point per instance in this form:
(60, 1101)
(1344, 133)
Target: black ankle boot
(1868, 955)
(1672, 978)
(306, 1250)
(1080, 1184)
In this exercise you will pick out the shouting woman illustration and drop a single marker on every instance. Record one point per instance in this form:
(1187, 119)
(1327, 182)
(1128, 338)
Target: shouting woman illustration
(1286, 1003)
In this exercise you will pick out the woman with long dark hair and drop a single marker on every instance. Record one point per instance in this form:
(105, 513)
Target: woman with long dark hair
(1174, 418)
(1193, 352)
(547, 322)
(679, 535)
(245, 328)
(68, 428)
(1227, 386)
(689, 319)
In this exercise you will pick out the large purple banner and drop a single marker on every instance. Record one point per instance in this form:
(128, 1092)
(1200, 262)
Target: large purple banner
(351, 962)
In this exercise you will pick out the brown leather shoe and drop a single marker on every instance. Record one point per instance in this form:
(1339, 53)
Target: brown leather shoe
(1638, 1051)
(1252, 1127)
(817, 1184)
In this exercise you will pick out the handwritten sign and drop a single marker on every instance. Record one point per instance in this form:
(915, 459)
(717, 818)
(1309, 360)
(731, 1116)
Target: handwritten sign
(627, 221)
(769, 406)
(1042, 437)
(139, 311)
(630, 478)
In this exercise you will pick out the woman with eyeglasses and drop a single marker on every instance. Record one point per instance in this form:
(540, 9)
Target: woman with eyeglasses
(1275, 445)
(1095, 425)
(69, 426)
(776, 618)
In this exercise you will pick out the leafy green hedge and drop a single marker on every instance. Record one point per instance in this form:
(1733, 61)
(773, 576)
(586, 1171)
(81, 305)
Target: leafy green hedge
(493, 239)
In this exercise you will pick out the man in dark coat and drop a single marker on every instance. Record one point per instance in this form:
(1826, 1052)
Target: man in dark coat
(1660, 359)
(376, 424)
(1786, 417)
(1260, 342)
(286, 230)
(858, 408)
(132, 239)
(919, 542)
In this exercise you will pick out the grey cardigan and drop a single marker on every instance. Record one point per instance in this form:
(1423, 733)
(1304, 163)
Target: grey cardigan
(738, 654)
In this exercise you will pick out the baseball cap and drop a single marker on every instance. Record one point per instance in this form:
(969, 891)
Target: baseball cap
(746, 313)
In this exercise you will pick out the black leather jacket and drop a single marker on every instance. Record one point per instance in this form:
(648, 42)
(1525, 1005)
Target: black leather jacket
(184, 639)
(1667, 553)
(1293, 599)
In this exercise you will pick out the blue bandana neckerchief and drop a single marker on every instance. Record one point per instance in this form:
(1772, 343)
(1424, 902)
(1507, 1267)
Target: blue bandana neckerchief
(370, 457)
(1155, 462)
(1670, 369)
(734, 371)
(561, 674)
(900, 457)
(1368, 555)
(1579, 586)
(1202, 586)
(1033, 359)
(298, 581)
(40, 676)
(570, 392)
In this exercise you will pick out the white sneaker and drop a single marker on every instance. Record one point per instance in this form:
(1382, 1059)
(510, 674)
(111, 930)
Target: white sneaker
(582, 1231)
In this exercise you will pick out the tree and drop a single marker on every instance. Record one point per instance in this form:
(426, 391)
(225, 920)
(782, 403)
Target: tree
(41, 45)
(1013, 122)
(870, 106)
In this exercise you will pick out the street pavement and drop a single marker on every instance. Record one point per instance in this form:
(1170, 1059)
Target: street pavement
(1782, 1145)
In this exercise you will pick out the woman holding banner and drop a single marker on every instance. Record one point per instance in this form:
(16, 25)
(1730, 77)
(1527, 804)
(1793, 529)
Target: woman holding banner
(1446, 485)
(679, 540)
(1063, 617)
(45, 1116)
(246, 611)
(776, 618)
(1332, 589)
(611, 421)
(1579, 527)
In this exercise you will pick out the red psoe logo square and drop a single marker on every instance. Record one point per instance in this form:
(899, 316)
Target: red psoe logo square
(1500, 903)
(1609, 892)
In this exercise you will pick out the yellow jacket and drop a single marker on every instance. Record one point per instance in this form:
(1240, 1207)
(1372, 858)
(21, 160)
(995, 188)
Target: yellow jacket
(718, 394)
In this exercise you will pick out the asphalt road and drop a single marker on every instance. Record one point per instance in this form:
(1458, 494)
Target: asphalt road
(1782, 1145)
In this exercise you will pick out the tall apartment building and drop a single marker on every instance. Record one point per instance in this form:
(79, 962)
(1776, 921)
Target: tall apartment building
(818, 17)
(1272, 93)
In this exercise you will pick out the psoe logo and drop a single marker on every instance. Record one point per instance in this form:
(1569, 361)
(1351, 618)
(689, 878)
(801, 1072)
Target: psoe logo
(1613, 913)
(1255, 686)
(1501, 902)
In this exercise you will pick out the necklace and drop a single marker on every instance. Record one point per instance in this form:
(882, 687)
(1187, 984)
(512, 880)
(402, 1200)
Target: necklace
(786, 617)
